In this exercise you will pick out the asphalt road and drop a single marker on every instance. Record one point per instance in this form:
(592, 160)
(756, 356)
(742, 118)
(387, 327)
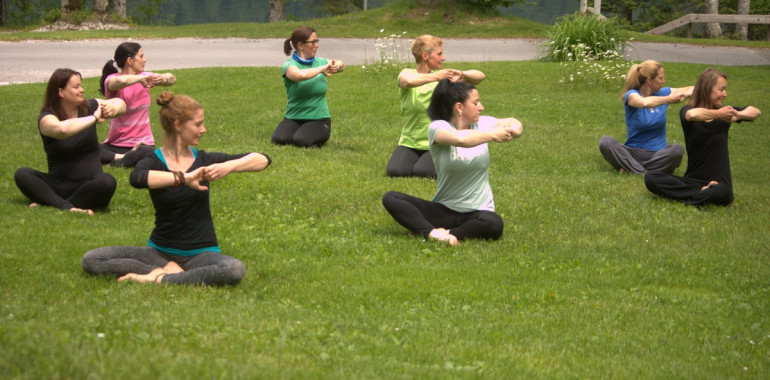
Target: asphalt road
(34, 61)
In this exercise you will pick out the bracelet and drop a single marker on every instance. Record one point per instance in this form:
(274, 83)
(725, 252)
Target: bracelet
(178, 179)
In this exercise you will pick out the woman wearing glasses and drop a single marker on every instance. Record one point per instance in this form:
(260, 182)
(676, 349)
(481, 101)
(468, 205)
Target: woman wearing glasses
(306, 122)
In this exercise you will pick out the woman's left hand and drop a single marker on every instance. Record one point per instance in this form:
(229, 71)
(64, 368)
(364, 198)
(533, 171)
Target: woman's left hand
(216, 171)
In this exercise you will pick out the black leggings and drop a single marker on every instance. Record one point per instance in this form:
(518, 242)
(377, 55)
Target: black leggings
(131, 156)
(303, 133)
(206, 268)
(45, 189)
(409, 162)
(421, 217)
(688, 190)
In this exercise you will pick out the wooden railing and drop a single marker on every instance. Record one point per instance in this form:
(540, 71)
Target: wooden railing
(695, 18)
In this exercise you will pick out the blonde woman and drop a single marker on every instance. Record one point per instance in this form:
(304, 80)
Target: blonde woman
(412, 158)
(645, 100)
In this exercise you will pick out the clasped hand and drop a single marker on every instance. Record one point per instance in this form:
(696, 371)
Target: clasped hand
(209, 173)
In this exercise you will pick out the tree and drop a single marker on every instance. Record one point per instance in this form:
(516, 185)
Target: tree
(743, 9)
(713, 29)
(277, 11)
(119, 7)
(100, 6)
(70, 6)
(2, 12)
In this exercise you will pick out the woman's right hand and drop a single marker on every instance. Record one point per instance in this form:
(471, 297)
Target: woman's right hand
(193, 179)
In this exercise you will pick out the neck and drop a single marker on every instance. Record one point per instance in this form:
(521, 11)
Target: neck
(423, 68)
(459, 123)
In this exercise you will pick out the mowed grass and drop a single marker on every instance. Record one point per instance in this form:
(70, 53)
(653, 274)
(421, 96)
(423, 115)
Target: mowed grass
(594, 276)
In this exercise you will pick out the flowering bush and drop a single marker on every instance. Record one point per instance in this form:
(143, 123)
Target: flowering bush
(583, 65)
(393, 52)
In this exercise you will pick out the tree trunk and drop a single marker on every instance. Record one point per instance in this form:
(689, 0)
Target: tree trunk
(713, 29)
(2, 12)
(100, 6)
(597, 7)
(277, 11)
(119, 7)
(743, 9)
(70, 5)
(583, 6)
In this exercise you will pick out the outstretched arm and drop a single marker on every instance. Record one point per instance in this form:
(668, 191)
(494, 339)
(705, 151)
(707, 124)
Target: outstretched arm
(51, 126)
(253, 162)
(505, 130)
(410, 79)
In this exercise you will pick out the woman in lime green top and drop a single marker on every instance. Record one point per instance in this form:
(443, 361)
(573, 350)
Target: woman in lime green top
(307, 122)
(411, 158)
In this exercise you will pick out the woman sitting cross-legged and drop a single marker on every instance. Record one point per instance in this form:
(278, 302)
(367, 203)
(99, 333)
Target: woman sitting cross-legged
(705, 122)
(463, 207)
(67, 124)
(183, 247)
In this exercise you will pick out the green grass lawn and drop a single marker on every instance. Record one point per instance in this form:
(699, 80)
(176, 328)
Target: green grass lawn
(594, 276)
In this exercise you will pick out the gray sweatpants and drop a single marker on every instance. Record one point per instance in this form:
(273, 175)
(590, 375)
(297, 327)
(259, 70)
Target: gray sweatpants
(206, 268)
(640, 161)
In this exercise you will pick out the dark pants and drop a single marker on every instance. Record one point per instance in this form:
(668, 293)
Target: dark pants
(421, 217)
(640, 161)
(688, 190)
(48, 190)
(131, 156)
(408, 162)
(207, 268)
(303, 133)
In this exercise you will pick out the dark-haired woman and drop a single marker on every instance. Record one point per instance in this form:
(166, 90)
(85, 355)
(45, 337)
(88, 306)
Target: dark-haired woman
(411, 158)
(130, 137)
(183, 247)
(307, 122)
(705, 122)
(67, 124)
(645, 100)
(463, 207)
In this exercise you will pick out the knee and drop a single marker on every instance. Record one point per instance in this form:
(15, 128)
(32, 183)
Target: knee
(388, 198)
(235, 270)
(677, 150)
(21, 174)
(89, 261)
(494, 225)
(605, 142)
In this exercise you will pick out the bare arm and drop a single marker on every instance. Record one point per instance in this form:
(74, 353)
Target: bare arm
(473, 77)
(253, 162)
(297, 75)
(637, 101)
(505, 130)
(750, 113)
(51, 126)
(412, 79)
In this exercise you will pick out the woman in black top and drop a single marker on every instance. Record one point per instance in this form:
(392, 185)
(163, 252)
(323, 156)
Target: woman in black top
(67, 125)
(183, 247)
(705, 122)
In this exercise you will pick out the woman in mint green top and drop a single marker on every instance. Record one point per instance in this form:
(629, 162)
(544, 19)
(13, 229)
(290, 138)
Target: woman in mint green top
(307, 122)
(463, 207)
(412, 158)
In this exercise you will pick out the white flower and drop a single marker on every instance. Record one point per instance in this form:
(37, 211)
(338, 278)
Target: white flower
(100, 335)
(382, 30)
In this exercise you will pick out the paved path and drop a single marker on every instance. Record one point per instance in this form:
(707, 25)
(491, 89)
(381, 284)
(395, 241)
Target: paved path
(34, 61)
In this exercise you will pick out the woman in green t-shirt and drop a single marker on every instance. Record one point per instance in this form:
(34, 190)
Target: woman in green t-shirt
(411, 158)
(306, 122)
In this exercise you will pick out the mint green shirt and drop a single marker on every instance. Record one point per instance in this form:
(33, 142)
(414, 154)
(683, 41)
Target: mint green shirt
(414, 114)
(306, 99)
(463, 178)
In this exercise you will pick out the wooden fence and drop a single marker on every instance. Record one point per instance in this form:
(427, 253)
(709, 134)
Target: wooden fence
(695, 18)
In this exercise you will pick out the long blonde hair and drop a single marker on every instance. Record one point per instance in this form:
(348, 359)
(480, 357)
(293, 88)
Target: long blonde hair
(638, 74)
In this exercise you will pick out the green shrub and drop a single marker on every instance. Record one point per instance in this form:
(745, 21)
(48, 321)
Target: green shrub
(577, 34)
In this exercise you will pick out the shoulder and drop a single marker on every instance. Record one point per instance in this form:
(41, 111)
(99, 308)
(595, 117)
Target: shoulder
(629, 93)
(437, 125)
(665, 91)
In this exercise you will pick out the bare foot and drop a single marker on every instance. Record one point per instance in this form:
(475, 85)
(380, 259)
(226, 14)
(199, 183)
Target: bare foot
(82, 210)
(34, 204)
(154, 276)
(622, 170)
(712, 183)
(172, 267)
(442, 234)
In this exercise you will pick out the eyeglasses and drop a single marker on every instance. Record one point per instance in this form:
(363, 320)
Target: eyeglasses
(315, 41)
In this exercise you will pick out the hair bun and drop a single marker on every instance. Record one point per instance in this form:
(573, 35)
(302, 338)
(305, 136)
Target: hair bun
(164, 98)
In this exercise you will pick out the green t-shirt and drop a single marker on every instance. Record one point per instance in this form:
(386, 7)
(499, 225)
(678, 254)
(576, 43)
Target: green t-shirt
(306, 99)
(414, 114)
(463, 178)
